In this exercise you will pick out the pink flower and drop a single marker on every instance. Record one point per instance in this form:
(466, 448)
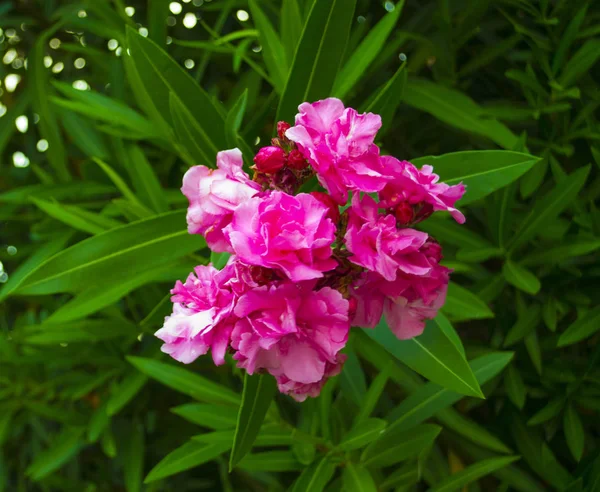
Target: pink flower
(290, 233)
(202, 316)
(293, 332)
(269, 159)
(378, 245)
(420, 189)
(338, 143)
(406, 302)
(214, 194)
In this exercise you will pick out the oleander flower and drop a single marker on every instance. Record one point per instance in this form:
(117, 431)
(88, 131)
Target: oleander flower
(202, 317)
(293, 332)
(292, 234)
(338, 143)
(377, 244)
(420, 189)
(214, 194)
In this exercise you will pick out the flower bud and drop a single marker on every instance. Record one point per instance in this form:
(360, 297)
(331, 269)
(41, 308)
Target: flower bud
(296, 160)
(352, 307)
(269, 160)
(325, 199)
(282, 127)
(404, 213)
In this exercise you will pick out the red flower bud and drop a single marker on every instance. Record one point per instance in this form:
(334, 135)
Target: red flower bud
(325, 199)
(352, 307)
(282, 126)
(404, 213)
(269, 160)
(296, 160)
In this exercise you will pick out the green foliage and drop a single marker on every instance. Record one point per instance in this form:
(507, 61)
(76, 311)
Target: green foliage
(120, 98)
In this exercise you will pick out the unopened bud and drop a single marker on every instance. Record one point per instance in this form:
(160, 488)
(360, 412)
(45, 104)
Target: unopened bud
(269, 160)
(282, 127)
(352, 307)
(296, 160)
(404, 213)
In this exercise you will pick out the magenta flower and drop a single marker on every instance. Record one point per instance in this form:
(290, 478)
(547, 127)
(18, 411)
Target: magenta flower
(269, 160)
(293, 332)
(338, 143)
(419, 189)
(214, 194)
(292, 234)
(202, 316)
(377, 244)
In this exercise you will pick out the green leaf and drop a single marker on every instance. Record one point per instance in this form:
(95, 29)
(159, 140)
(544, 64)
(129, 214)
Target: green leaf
(185, 381)
(76, 217)
(352, 379)
(318, 55)
(526, 323)
(574, 433)
(88, 331)
(218, 417)
(580, 62)
(387, 99)
(133, 462)
(481, 171)
(567, 38)
(145, 181)
(585, 326)
(548, 412)
(82, 190)
(549, 207)
(257, 396)
(532, 344)
(315, 477)
(273, 50)
(388, 450)
(456, 109)
(291, 27)
(520, 277)
(114, 254)
(270, 461)
(84, 135)
(190, 455)
(358, 479)
(160, 75)
(366, 52)
(430, 398)
(234, 120)
(124, 392)
(474, 472)
(432, 355)
(62, 449)
(462, 304)
(562, 252)
(515, 387)
(362, 434)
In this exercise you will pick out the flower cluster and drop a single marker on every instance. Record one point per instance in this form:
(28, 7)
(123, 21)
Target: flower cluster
(304, 267)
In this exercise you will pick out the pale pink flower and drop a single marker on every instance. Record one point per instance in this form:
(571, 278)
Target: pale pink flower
(293, 332)
(407, 302)
(420, 189)
(214, 194)
(300, 391)
(338, 143)
(292, 234)
(378, 245)
(202, 316)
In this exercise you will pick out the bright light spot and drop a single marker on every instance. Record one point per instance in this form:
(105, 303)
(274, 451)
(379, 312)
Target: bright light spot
(257, 48)
(197, 3)
(360, 19)
(11, 81)
(242, 15)
(54, 43)
(189, 63)
(20, 159)
(257, 141)
(3, 110)
(112, 44)
(389, 6)
(118, 51)
(81, 85)
(143, 31)
(2, 32)
(58, 67)
(130, 11)
(47, 61)
(3, 277)
(79, 63)
(171, 21)
(402, 57)
(1, 267)
(82, 41)
(190, 20)
(64, 344)
(36, 118)
(186, 1)
(169, 39)
(9, 57)
(18, 63)
(42, 145)
(81, 14)
(11, 250)
(22, 123)
(140, 337)
(11, 33)
(175, 8)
